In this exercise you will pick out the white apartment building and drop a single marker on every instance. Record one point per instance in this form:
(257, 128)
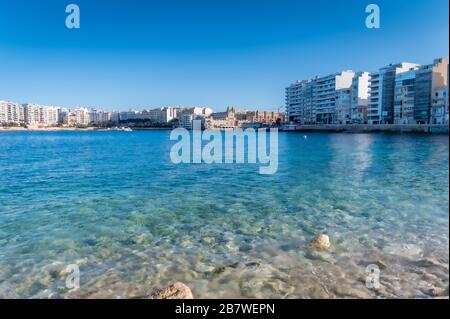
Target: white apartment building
(382, 87)
(82, 116)
(324, 95)
(11, 113)
(98, 116)
(360, 97)
(42, 115)
(314, 101)
(163, 114)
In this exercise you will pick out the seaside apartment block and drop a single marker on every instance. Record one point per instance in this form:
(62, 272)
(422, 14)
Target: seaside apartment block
(329, 99)
(359, 98)
(402, 93)
(382, 89)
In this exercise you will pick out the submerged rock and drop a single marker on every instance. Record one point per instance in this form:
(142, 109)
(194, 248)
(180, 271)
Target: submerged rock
(438, 292)
(403, 250)
(175, 291)
(321, 242)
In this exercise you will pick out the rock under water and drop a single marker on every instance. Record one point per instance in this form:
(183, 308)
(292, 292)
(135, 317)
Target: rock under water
(175, 291)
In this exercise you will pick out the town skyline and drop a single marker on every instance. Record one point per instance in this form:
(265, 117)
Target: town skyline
(117, 60)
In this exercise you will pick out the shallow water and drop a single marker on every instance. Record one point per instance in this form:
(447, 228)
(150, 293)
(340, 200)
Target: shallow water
(113, 203)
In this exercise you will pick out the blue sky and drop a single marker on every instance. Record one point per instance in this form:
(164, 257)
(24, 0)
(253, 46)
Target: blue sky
(135, 53)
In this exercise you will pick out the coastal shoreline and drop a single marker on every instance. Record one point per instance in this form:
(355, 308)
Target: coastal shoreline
(73, 129)
(365, 128)
(330, 128)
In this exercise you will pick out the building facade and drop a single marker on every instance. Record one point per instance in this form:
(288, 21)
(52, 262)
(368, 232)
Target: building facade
(405, 85)
(314, 101)
(360, 98)
(12, 113)
(429, 78)
(382, 92)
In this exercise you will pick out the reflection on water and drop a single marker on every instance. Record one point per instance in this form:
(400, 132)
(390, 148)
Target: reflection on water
(113, 203)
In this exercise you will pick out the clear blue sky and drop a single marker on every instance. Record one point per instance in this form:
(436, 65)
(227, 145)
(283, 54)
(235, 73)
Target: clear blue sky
(135, 53)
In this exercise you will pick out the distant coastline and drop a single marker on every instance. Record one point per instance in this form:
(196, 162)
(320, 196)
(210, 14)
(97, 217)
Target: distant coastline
(330, 128)
(366, 128)
(59, 129)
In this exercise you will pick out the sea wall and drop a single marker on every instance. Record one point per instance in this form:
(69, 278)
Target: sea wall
(364, 128)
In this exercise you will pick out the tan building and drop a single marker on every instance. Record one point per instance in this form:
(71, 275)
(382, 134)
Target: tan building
(265, 117)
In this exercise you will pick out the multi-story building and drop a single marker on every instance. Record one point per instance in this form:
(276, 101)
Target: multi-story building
(11, 113)
(360, 98)
(264, 117)
(314, 101)
(42, 115)
(299, 102)
(324, 95)
(70, 119)
(164, 114)
(98, 116)
(186, 119)
(382, 91)
(439, 106)
(82, 116)
(343, 106)
(223, 120)
(405, 85)
(429, 78)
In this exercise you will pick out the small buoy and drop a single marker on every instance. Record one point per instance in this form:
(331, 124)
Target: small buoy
(305, 137)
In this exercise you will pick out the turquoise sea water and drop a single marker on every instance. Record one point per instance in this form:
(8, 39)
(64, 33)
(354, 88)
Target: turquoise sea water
(113, 203)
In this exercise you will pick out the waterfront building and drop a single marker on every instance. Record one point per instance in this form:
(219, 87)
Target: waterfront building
(360, 98)
(429, 78)
(382, 91)
(263, 117)
(405, 85)
(11, 113)
(314, 101)
(343, 106)
(439, 106)
(164, 115)
(299, 102)
(130, 115)
(223, 120)
(98, 116)
(41, 115)
(324, 95)
(70, 119)
(82, 116)
(185, 120)
(113, 117)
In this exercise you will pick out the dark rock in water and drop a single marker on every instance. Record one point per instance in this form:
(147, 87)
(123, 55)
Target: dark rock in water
(253, 265)
(219, 270)
(381, 264)
(175, 291)
(245, 248)
(90, 242)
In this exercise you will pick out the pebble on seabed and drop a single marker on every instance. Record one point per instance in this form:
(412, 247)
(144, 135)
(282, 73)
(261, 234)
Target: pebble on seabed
(175, 291)
(321, 242)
